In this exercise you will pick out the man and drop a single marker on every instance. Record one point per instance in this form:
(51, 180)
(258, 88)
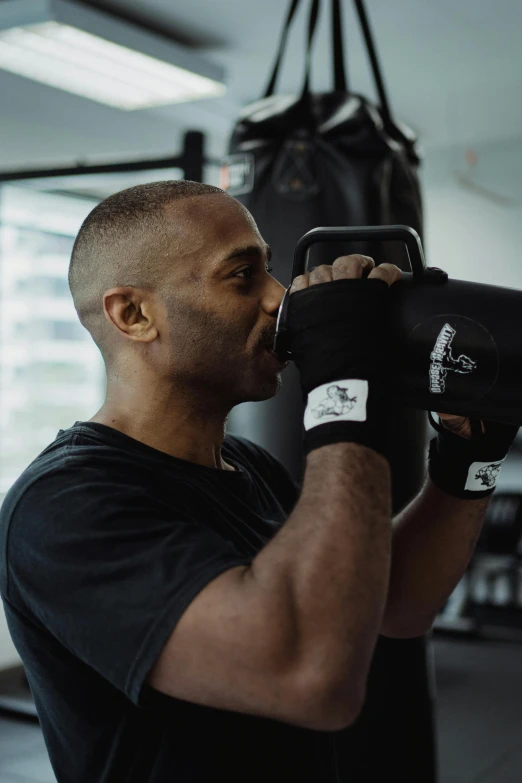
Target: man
(182, 611)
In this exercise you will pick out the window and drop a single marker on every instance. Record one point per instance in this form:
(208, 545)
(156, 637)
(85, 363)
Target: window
(51, 371)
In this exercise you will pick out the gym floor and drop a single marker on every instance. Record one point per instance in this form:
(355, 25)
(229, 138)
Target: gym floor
(479, 687)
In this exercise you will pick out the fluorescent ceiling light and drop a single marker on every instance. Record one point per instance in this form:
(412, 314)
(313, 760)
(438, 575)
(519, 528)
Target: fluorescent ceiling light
(93, 55)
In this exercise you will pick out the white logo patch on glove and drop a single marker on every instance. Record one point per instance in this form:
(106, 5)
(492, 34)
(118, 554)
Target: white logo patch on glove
(483, 475)
(336, 401)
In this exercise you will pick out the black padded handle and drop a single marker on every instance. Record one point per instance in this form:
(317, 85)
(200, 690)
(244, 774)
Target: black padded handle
(360, 234)
(404, 234)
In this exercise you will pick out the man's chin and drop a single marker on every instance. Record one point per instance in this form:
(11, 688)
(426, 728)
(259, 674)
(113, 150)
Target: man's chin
(267, 392)
(265, 389)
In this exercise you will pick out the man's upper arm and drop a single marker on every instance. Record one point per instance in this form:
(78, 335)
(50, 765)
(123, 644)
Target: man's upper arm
(84, 560)
(233, 649)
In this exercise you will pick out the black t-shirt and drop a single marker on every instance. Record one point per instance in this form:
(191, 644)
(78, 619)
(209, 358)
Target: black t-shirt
(105, 541)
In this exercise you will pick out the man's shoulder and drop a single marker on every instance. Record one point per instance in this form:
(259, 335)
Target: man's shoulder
(74, 480)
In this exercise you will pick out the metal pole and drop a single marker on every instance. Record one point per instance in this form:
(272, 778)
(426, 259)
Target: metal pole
(191, 161)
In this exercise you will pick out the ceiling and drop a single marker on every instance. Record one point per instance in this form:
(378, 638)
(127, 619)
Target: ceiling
(453, 70)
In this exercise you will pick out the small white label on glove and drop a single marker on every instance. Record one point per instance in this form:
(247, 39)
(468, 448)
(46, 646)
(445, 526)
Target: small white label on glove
(336, 401)
(483, 475)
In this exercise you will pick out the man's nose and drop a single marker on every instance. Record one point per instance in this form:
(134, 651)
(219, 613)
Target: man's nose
(273, 296)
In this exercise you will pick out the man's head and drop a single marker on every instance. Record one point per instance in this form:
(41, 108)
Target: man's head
(170, 279)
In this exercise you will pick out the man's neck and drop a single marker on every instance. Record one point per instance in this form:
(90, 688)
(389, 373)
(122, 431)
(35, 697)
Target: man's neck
(177, 441)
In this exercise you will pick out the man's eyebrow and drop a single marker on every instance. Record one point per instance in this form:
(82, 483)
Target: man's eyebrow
(248, 250)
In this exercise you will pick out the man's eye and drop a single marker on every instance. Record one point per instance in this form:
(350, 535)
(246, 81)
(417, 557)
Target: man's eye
(249, 270)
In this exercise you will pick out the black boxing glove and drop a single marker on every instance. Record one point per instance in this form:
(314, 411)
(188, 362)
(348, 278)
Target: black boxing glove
(468, 468)
(339, 338)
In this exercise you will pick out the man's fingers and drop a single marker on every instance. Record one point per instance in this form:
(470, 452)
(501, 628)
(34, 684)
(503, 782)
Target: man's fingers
(320, 274)
(347, 268)
(344, 267)
(351, 267)
(387, 272)
(300, 282)
(458, 424)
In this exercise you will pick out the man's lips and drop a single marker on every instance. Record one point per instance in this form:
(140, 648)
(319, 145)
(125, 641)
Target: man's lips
(269, 347)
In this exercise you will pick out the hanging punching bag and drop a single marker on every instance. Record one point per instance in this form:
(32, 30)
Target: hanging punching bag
(326, 159)
(337, 159)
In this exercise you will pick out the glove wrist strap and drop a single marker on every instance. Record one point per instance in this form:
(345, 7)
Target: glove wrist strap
(348, 411)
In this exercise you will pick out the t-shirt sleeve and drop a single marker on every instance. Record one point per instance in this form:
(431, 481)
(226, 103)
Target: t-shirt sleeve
(109, 570)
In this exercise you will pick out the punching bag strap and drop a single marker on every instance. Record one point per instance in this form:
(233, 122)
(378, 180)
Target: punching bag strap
(372, 54)
(282, 45)
(312, 26)
(338, 52)
(340, 80)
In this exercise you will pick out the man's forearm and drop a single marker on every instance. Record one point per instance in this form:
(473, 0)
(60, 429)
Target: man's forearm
(433, 541)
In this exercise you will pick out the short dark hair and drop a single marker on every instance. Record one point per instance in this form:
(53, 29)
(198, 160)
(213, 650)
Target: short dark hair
(120, 243)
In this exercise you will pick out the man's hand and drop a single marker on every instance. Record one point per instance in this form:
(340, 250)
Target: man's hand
(458, 424)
